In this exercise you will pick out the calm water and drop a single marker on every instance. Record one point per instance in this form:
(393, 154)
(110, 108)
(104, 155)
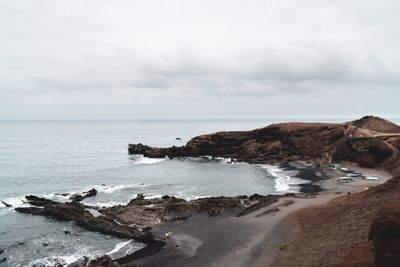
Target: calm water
(46, 157)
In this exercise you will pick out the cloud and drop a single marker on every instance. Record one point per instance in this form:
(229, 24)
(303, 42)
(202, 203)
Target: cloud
(203, 48)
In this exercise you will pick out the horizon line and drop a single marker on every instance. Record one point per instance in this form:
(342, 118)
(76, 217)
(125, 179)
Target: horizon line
(194, 119)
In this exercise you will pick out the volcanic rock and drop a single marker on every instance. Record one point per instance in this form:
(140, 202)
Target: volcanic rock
(81, 196)
(81, 214)
(370, 141)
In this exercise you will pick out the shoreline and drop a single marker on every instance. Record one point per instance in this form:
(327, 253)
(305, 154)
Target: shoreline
(256, 234)
(251, 240)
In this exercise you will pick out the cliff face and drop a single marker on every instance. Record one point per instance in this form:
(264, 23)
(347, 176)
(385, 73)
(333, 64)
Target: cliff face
(370, 141)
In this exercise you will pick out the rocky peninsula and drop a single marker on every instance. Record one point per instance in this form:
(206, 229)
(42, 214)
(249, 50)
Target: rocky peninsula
(327, 229)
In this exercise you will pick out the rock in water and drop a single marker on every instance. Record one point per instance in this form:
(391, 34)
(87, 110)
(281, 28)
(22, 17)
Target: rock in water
(81, 196)
(104, 261)
(80, 214)
(6, 204)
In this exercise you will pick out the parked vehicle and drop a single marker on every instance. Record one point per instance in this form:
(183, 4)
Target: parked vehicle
(343, 180)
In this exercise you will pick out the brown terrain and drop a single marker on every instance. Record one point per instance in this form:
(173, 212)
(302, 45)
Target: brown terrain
(351, 141)
(360, 229)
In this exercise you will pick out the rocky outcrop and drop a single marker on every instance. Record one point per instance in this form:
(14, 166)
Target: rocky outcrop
(369, 141)
(81, 196)
(148, 213)
(104, 261)
(86, 217)
(377, 124)
(136, 219)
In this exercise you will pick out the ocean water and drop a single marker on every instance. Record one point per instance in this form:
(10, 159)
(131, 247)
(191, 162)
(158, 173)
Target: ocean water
(48, 157)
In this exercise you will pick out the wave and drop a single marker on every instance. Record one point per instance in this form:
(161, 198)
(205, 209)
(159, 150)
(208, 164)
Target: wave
(140, 159)
(123, 249)
(20, 201)
(283, 183)
(108, 189)
(225, 160)
(211, 158)
(107, 204)
(195, 197)
(153, 196)
(62, 260)
(15, 202)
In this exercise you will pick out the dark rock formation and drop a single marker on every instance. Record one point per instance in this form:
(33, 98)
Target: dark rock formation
(81, 196)
(369, 141)
(385, 234)
(6, 204)
(152, 212)
(83, 217)
(106, 261)
(139, 216)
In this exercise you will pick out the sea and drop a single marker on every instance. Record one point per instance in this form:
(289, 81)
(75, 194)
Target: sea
(47, 157)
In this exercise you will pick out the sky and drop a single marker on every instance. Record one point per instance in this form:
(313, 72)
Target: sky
(102, 59)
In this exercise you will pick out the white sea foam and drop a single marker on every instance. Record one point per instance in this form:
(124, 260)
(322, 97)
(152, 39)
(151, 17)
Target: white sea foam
(61, 259)
(225, 160)
(283, 182)
(211, 158)
(20, 201)
(195, 197)
(108, 189)
(107, 204)
(15, 202)
(153, 196)
(123, 249)
(140, 159)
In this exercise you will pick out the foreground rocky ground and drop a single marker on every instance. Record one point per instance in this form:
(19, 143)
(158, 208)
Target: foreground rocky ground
(137, 219)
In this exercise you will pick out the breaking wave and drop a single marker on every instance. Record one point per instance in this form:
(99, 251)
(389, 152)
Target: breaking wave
(108, 189)
(62, 260)
(123, 249)
(283, 182)
(140, 159)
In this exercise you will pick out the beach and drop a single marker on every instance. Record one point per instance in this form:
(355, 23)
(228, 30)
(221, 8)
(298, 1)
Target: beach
(250, 240)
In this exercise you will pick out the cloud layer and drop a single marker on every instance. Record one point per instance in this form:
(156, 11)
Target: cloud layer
(71, 58)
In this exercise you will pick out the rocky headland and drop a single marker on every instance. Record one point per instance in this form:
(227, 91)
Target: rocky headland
(370, 142)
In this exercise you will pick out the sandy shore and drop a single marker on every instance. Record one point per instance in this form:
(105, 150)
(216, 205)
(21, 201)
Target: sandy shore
(250, 240)
(358, 184)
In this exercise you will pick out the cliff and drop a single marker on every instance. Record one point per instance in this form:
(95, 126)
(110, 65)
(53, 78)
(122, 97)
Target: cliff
(370, 142)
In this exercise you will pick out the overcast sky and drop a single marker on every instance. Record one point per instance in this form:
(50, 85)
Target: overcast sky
(98, 59)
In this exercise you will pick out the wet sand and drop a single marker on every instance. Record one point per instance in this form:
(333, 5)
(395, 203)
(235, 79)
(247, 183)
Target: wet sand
(250, 240)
